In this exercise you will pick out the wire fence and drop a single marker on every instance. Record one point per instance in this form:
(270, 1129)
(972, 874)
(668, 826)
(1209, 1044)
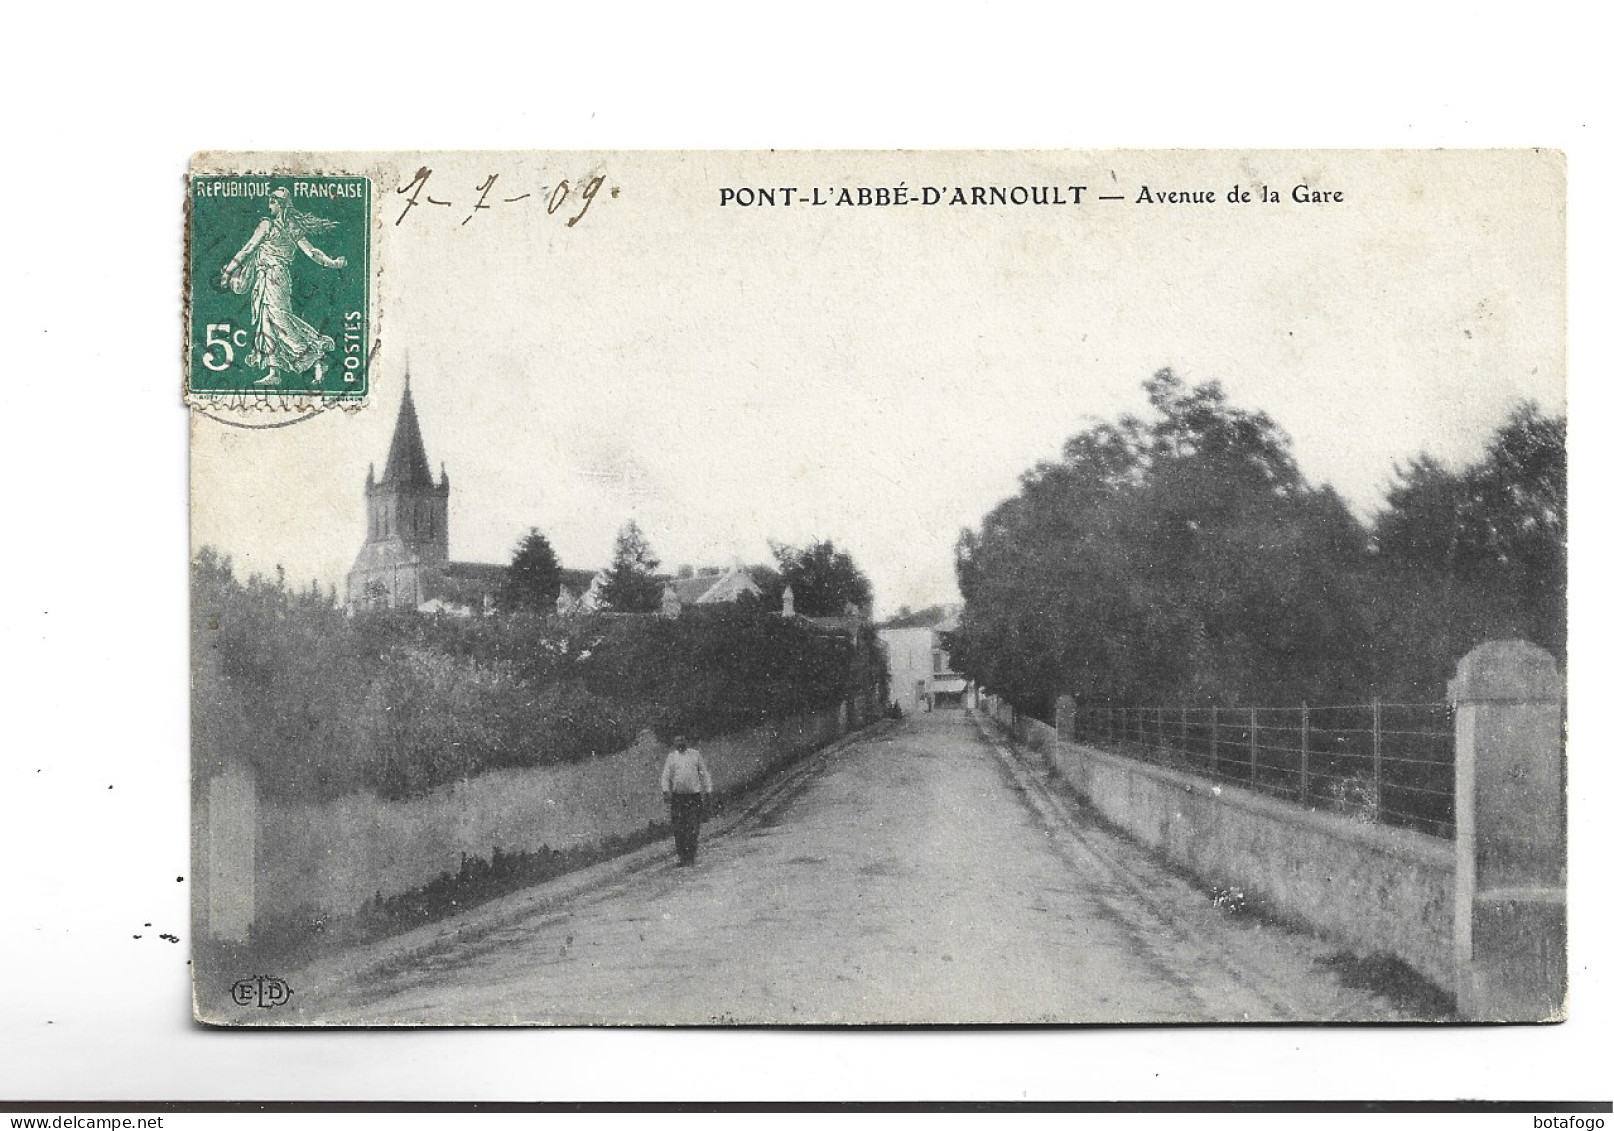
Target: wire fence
(1391, 763)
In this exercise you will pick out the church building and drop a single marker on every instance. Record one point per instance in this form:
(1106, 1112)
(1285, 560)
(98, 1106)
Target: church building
(404, 559)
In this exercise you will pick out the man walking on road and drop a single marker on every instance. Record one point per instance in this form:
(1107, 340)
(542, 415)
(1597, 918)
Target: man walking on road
(685, 782)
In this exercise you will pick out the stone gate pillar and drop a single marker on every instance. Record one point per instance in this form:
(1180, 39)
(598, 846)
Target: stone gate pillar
(227, 855)
(1067, 754)
(1510, 930)
(1065, 718)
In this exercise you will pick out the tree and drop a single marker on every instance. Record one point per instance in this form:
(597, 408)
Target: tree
(630, 584)
(1504, 515)
(533, 581)
(770, 588)
(1176, 557)
(823, 580)
(1422, 523)
(1473, 554)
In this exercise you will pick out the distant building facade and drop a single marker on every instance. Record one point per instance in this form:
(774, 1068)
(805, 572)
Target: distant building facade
(921, 671)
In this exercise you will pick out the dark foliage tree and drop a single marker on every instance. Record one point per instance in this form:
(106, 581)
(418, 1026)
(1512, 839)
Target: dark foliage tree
(1504, 516)
(1177, 558)
(533, 581)
(730, 667)
(771, 586)
(1473, 554)
(824, 580)
(322, 704)
(1183, 558)
(630, 584)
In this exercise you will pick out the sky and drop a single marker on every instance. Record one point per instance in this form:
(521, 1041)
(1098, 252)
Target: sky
(880, 376)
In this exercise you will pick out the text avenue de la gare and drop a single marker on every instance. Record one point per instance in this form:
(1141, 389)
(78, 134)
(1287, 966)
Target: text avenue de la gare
(886, 196)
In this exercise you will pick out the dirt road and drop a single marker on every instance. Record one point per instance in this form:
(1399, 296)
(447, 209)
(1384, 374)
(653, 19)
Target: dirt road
(926, 875)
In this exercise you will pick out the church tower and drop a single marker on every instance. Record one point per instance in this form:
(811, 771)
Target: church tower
(406, 537)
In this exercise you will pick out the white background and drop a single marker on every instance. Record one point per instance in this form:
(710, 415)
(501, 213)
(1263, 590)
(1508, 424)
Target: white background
(100, 111)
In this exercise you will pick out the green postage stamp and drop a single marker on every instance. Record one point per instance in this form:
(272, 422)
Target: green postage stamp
(278, 288)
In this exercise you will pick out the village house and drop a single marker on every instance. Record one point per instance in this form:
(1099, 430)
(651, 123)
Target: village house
(922, 677)
(707, 586)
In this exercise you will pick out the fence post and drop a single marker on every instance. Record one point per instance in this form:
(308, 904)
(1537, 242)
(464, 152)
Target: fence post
(1216, 738)
(1510, 931)
(1183, 731)
(1305, 752)
(1378, 759)
(1252, 746)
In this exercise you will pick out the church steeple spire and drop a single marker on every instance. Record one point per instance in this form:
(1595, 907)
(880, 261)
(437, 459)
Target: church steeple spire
(406, 544)
(406, 459)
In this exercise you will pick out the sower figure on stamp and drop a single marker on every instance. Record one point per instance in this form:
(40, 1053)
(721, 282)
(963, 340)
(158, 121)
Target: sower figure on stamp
(280, 339)
(685, 782)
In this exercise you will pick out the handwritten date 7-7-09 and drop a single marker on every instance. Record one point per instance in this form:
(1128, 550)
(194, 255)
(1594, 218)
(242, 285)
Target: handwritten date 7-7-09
(483, 197)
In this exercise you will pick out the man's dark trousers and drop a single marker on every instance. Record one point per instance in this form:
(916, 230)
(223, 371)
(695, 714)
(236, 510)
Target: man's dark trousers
(686, 821)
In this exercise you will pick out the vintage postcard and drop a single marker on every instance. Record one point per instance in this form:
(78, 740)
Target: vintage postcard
(861, 588)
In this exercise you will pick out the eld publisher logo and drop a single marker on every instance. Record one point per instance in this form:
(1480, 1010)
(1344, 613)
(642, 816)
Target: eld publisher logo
(265, 993)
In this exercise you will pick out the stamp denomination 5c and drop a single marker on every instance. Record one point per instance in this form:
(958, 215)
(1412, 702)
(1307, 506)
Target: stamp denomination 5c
(278, 288)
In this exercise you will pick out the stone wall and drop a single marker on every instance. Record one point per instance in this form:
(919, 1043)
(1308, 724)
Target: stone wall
(1372, 888)
(265, 859)
(1483, 915)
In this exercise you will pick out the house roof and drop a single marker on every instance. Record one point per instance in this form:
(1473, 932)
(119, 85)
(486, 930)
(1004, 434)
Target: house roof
(476, 571)
(691, 589)
(943, 618)
(712, 586)
(578, 580)
(406, 458)
(488, 577)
